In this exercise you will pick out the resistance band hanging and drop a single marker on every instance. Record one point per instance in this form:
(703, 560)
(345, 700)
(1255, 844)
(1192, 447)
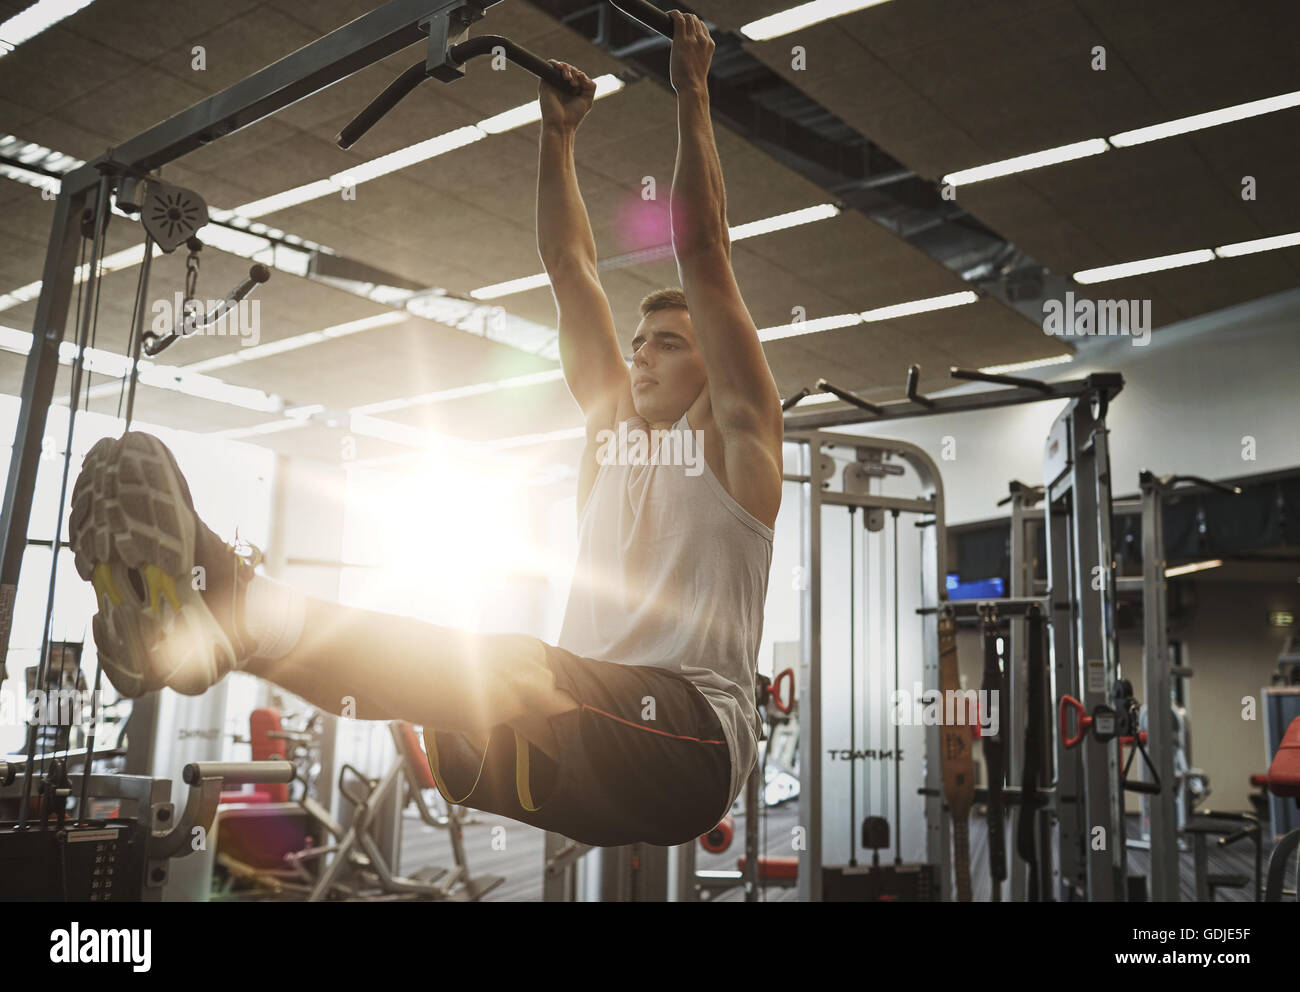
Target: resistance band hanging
(994, 746)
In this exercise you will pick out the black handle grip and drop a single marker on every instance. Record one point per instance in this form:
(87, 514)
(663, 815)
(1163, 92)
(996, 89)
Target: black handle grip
(645, 14)
(794, 400)
(380, 105)
(520, 56)
(913, 378)
(848, 397)
(1207, 483)
(1003, 380)
(457, 55)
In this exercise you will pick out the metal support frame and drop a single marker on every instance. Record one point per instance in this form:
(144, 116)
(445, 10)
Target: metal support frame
(1155, 664)
(370, 38)
(1080, 596)
(1026, 522)
(816, 475)
(1084, 650)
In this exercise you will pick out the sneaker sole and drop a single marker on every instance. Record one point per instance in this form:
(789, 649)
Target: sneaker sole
(132, 531)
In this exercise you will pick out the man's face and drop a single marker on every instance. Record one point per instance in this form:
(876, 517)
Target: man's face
(667, 370)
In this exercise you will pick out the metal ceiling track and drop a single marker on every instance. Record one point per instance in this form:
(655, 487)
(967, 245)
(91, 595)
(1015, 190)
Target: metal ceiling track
(759, 105)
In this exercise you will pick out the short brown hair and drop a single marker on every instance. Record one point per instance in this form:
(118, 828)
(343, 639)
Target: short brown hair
(663, 299)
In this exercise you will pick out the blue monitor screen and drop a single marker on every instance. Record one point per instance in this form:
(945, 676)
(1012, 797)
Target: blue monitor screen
(994, 588)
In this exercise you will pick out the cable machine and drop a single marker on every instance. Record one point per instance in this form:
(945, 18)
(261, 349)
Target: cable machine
(1063, 642)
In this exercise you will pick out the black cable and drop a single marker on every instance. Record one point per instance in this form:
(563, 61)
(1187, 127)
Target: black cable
(34, 729)
(853, 714)
(78, 368)
(898, 767)
(132, 346)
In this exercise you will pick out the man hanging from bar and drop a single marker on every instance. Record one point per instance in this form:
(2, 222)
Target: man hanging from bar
(641, 724)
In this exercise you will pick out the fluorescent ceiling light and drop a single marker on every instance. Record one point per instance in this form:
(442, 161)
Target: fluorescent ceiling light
(808, 215)
(525, 440)
(1023, 163)
(802, 16)
(1036, 363)
(1143, 265)
(365, 324)
(29, 177)
(38, 17)
(269, 427)
(1260, 244)
(12, 339)
(766, 225)
(405, 157)
(511, 286)
(235, 242)
(461, 392)
(819, 398)
(1125, 139)
(529, 113)
(1213, 118)
(921, 306)
(289, 198)
(809, 326)
(1196, 566)
(411, 155)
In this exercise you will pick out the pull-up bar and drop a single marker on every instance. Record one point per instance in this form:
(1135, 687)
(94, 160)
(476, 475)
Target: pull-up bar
(450, 49)
(1103, 385)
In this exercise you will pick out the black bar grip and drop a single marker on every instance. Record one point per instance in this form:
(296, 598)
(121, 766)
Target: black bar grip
(913, 378)
(797, 398)
(848, 397)
(457, 55)
(380, 105)
(1207, 483)
(520, 56)
(645, 14)
(1004, 380)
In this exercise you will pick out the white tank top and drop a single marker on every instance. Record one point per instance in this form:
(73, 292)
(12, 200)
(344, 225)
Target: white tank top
(672, 572)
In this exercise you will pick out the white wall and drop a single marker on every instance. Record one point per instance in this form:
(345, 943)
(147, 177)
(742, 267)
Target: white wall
(1190, 398)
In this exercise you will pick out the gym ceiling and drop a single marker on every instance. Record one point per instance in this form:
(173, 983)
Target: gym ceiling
(927, 86)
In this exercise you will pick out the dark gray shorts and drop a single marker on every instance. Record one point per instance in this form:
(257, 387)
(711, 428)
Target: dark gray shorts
(620, 777)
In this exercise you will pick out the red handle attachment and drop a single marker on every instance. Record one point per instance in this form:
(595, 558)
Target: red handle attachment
(1085, 721)
(786, 706)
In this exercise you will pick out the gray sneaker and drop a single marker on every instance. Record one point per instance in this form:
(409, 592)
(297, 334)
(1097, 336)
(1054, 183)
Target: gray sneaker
(170, 591)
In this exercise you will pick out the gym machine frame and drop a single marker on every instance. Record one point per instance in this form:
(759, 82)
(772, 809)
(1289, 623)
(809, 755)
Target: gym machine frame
(1077, 515)
(81, 210)
(874, 457)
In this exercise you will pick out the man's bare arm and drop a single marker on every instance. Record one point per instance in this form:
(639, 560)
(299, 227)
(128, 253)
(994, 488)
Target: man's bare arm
(589, 353)
(742, 392)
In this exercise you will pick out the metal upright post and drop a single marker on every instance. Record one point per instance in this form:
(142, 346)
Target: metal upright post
(812, 465)
(1084, 655)
(1025, 523)
(1155, 662)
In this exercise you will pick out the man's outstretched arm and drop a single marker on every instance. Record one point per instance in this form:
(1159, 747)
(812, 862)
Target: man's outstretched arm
(589, 353)
(743, 395)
